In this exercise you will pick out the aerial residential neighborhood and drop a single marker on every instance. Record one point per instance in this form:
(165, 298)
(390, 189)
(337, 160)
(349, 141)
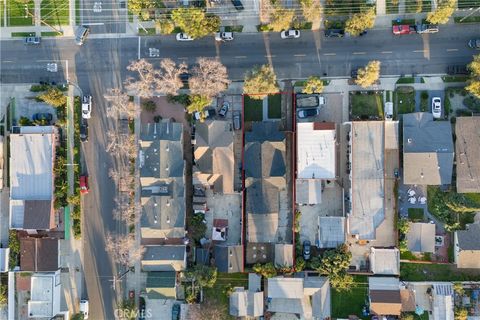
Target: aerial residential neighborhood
(240, 159)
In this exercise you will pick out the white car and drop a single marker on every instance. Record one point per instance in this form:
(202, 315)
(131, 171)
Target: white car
(290, 34)
(87, 107)
(224, 36)
(437, 107)
(84, 308)
(183, 37)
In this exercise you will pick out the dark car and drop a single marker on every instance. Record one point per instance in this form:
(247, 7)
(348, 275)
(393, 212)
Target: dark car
(184, 77)
(307, 246)
(334, 33)
(306, 113)
(176, 312)
(43, 117)
(237, 4)
(457, 69)
(84, 132)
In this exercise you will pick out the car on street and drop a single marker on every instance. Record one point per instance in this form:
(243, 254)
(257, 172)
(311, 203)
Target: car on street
(223, 111)
(426, 28)
(237, 4)
(183, 37)
(32, 40)
(43, 117)
(86, 107)
(403, 29)
(474, 44)
(81, 34)
(237, 121)
(84, 131)
(437, 107)
(84, 184)
(306, 113)
(334, 33)
(290, 34)
(224, 36)
(84, 308)
(307, 248)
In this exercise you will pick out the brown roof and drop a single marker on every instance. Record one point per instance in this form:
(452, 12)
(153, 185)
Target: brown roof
(323, 126)
(385, 302)
(38, 254)
(408, 300)
(39, 214)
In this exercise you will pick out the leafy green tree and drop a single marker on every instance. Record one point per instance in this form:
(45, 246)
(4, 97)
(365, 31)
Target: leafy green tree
(460, 313)
(3, 295)
(205, 276)
(266, 270)
(443, 12)
(368, 75)
(342, 281)
(195, 22)
(166, 26)
(403, 225)
(198, 103)
(260, 82)
(24, 121)
(311, 10)
(14, 245)
(149, 106)
(360, 22)
(54, 97)
(300, 264)
(281, 18)
(313, 85)
(77, 316)
(474, 83)
(335, 262)
(458, 288)
(142, 7)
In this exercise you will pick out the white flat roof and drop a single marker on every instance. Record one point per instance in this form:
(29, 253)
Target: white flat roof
(31, 166)
(43, 292)
(316, 150)
(367, 179)
(286, 288)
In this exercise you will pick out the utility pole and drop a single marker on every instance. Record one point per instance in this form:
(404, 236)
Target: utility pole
(27, 13)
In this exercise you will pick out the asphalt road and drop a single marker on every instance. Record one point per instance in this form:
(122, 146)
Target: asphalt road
(101, 64)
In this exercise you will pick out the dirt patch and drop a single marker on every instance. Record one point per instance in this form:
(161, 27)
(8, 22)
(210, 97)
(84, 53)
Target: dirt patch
(165, 110)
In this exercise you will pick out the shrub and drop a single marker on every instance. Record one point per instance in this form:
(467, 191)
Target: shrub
(149, 106)
(39, 87)
(24, 121)
(183, 99)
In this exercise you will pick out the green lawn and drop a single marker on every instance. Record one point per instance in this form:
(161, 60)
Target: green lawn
(344, 7)
(51, 34)
(275, 106)
(366, 105)
(405, 100)
(406, 80)
(149, 32)
(16, 13)
(77, 12)
(1, 13)
(417, 6)
(55, 12)
(22, 34)
(403, 21)
(424, 101)
(392, 6)
(415, 214)
(471, 19)
(218, 292)
(436, 272)
(233, 28)
(253, 109)
(468, 4)
(349, 303)
(454, 78)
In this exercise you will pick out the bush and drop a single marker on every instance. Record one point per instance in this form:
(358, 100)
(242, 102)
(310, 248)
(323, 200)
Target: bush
(424, 95)
(166, 26)
(472, 103)
(157, 119)
(24, 121)
(149, 106)
(14, 245)
(183, 99)
(39, 87)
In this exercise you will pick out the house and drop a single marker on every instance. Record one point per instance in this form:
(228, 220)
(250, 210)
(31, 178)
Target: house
(283, 255)
(384, 296)
(162, 180)
(421, 237)
(443, 301)
(45, 293)
(164, 258)
(247, 303)
(385, 261)
(467, 247)
(229, 258)
(427, 150)
(39, 254)
(467, 151)
(214, 159)
(367, 191)
(32, 157)
(331, 232)
(161, 285)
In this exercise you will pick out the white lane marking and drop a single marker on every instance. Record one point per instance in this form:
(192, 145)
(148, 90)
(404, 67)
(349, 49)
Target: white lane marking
(418, 50)
(47, 60)
(139, 48)
(300, 55)
(359, 52)
(240, 57)
(7, 61)
(452, 50)
(183, 58)
(387, 52)
(329, 54)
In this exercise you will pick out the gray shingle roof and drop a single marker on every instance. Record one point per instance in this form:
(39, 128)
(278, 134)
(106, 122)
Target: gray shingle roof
(467, 151)
(262, 198)
(469, 239)
(228, 258)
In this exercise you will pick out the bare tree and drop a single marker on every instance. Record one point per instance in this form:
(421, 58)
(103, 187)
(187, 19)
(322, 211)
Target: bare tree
(128, 147)
(128, 213)
(208, 310)
(120, 104)
(123, 249)
(209, 78)
(112, 141)
(169, 81)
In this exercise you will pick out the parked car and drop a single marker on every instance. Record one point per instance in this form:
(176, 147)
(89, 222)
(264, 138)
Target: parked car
(84, 308)
(403, 29)
(237, 121)
(223, 111)
(32, 40)
(426, 28)
(237, 4)
(334, 33)
(457, 69)
(43, 117)
(176, 311)
(290, 34)
(437, 107)
(209, 113)
(81, 34)
(84, 131)
(87, 107)
(84, 184)
(306, 113)
(474, 44)
(307, 246)
(224, 36)
(183, 37)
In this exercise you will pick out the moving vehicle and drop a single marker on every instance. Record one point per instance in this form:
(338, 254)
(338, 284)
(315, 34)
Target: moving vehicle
(32, 40)
(84, 187)
(437, 107)
(224, 36)
(474, 44)
(44, 117)
(84, 308)
(290, 34)
(426, 28)
(237, 121)
(334, 33)
(307, 246)
(84, 131)
(183, 37)
(403, 29)
(306, 113)
(86, 107)
(223, 111)
(81, 34)
(237, 4)
(307, 100)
